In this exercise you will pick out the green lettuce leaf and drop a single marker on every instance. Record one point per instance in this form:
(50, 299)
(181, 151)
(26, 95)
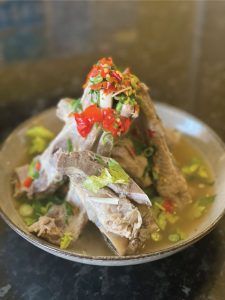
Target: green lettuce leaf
(117, 172)
(95, 183)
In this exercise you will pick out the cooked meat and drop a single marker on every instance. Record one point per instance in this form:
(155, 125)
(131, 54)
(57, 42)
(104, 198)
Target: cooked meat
(56, 222)
(87, 161)
(171, 183)
(133, 164)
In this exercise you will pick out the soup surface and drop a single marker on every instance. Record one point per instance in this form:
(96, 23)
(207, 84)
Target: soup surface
(172, 230)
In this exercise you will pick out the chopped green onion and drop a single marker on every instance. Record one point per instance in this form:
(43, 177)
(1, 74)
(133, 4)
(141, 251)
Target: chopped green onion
(30, 220)
(174, 237)
(76, 105)
(38, 145)
(69, 209)
(65, 240)
(41, 132)
(171, 218)
(156, 236)
(119, 107)
(26, 210)
(149, 151)
(107, 138)
(155, 175)
(161, 221)
(69, 145)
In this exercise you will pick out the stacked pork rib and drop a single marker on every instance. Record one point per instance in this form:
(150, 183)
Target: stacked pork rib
(121, 212)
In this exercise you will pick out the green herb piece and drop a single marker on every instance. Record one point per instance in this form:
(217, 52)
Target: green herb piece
(181, 233)
(41, 132)
(76, 105)
(37, 145)
(156, 236)
(107, 138)
(174, 237)
(30, 220)
(95, 183)
(65, 240)
(96, 79)
(99, 159)
(155, 175)
(161, 221)
(172, 218)
(69, 209)
(206, 200)
(26, 210)
(32, 172)
(117, 172)
(69, 145)
(149, 151)
(196, 171)
(200, 206)
(119, 107)
(113, 174)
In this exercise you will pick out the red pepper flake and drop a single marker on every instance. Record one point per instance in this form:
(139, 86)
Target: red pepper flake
(168, 205)
(151, 133)
(38, 166)
(27, 182)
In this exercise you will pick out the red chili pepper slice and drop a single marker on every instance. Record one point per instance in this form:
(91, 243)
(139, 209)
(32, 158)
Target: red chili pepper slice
(84, 126)
(27, 182)
(168, 205)
(93, 113)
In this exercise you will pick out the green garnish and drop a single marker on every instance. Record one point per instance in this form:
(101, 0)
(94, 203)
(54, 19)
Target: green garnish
(32, 172)
(29, 220)
(65, 240)
(76, 105)
(41, 132)
(196, 170)
(95, 183)
(161, 221)
(117, 172)
(174, 237)
(69, 209)
(119, 107)
(39, 137)
(113, 174)
(156, 236)
(200, 206)
(69, 145)
(99, 159)
(26, 210)
(107, 138)
(96, 79)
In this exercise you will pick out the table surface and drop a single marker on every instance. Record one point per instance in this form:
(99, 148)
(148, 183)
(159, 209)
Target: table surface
(177, 48)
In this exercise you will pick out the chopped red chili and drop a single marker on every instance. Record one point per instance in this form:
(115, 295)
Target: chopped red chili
(168, 205)
(27, 182)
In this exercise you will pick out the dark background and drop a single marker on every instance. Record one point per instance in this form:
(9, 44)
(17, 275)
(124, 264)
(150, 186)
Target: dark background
(46, 49)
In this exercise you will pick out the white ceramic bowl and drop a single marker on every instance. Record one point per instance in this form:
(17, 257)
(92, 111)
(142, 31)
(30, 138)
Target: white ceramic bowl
(13, 154)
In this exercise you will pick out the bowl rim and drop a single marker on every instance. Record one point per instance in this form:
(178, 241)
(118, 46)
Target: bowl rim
(128, 259)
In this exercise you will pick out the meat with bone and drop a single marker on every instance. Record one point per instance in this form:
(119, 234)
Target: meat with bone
(171, 183)
(88, 162)
(116, 217)
(56, 222)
